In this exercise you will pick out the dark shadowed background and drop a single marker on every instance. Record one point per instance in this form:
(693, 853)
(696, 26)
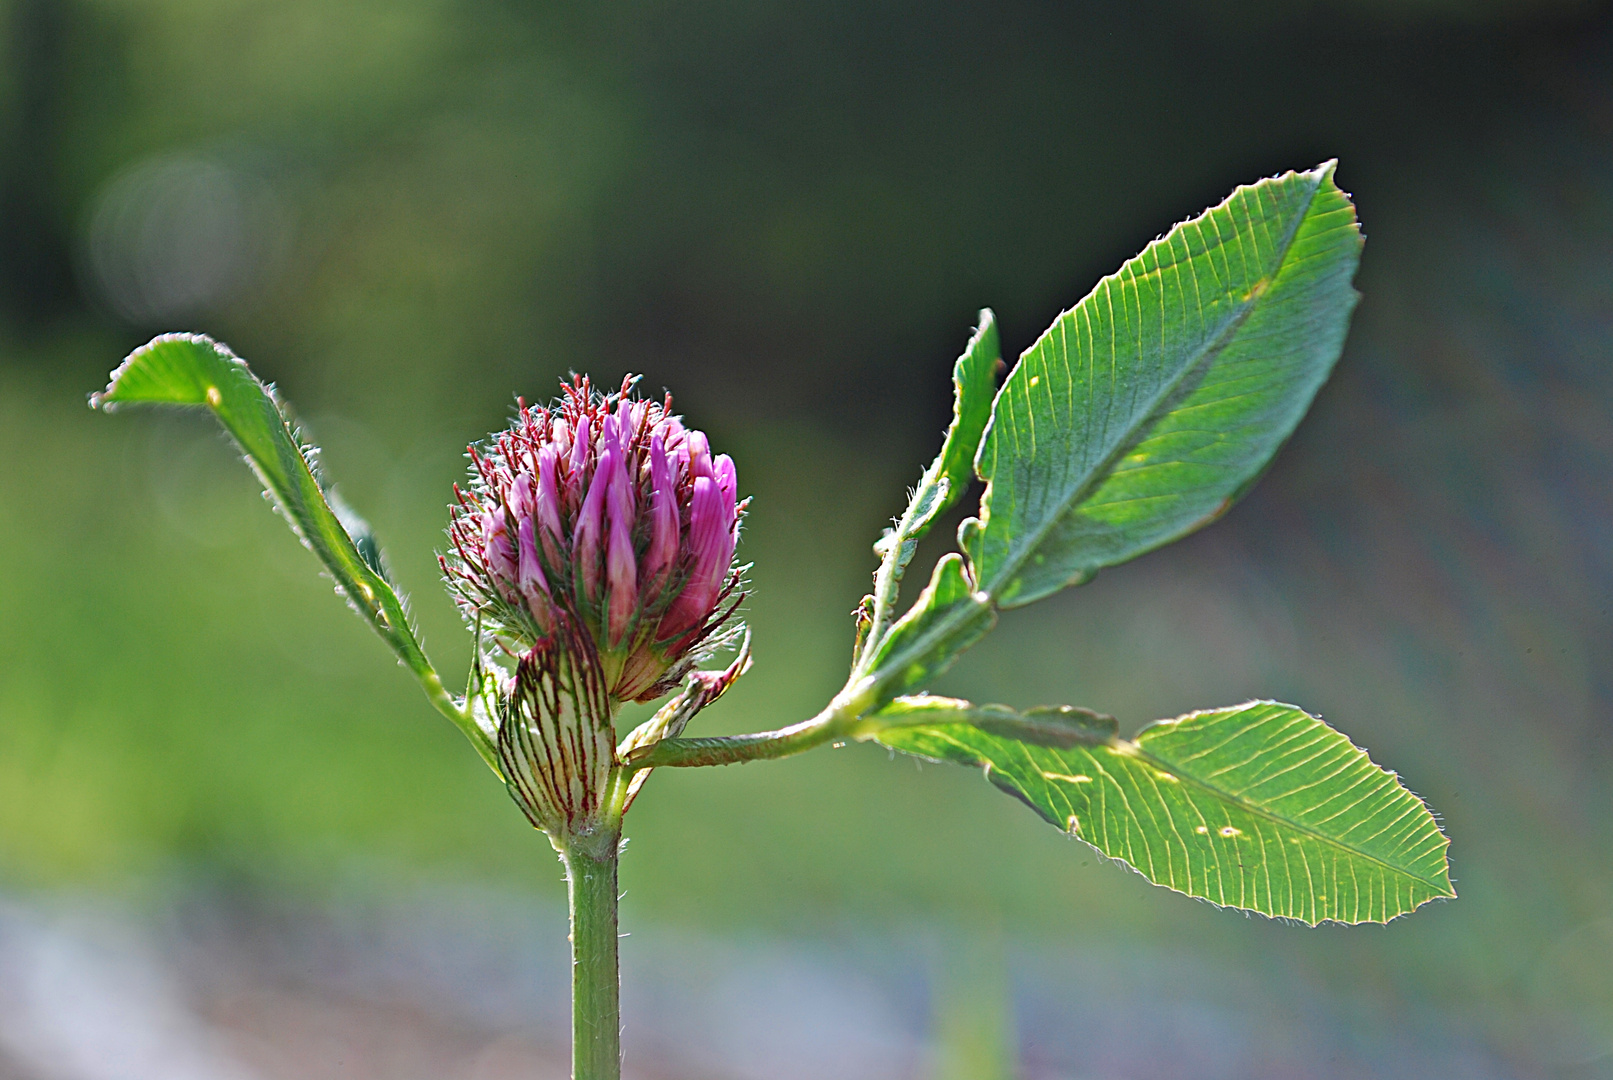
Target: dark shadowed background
(236, 843)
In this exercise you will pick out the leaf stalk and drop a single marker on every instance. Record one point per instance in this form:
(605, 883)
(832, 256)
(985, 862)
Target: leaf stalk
(841, 719)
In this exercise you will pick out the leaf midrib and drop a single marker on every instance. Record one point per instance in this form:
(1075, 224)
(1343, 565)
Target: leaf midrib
(1131, 748)
(1026, 546)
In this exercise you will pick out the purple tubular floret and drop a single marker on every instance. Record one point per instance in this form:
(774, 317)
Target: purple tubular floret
(547, 508)
(534, 587)
(626, 426)
(621, 569)
(710, 549)
(722, 468)
(678, 462)
(521, 497)
(699, 455)
(579, 456)
(663, 550)
(586, 541)
(714, 544)
(497, 552)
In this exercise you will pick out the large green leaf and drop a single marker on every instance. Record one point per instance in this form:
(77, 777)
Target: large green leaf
(193, 370)
(1156, 401)
(1259, 806)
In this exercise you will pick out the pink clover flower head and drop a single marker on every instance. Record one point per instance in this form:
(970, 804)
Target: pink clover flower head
(603, 516)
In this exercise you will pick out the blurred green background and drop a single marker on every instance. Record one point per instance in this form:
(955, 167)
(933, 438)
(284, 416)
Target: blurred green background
(404, 212)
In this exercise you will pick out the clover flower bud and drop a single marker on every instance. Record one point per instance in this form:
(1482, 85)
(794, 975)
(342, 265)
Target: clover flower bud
(600, 524)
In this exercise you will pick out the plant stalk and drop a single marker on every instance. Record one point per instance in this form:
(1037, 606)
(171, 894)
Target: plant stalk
(841, 719)
(596, 1025)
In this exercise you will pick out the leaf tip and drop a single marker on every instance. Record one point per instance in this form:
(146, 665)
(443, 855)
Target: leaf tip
(118, 391)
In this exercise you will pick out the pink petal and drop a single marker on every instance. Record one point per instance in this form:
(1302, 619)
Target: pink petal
(579, 455)
(711, 545)
(620, 573)
(547, 506)
(699, 455)
(496, 550)
(533, 585)
(663, 551)
(521, 497)
(723, 469)
(586, 540)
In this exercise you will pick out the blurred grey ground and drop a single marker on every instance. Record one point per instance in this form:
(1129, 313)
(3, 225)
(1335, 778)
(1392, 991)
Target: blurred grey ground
(432, 987)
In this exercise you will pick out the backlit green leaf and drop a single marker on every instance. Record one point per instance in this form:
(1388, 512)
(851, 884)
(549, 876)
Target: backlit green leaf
(192, 370)
(1156, 401)
(1259, 806)
(188, 369)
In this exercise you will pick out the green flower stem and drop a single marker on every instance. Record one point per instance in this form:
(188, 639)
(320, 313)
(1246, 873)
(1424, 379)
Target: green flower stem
(853, 714)
(842, 719)
(596, 1024)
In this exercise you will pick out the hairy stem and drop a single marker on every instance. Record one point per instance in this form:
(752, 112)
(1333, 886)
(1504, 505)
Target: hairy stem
(596, 1025)
(888, 584)
(842, 719)
(851, 715)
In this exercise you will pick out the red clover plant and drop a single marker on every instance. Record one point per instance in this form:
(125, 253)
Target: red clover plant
(592, 555)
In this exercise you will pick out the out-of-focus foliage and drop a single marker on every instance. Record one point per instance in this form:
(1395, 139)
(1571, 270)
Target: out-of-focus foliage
(780, 212)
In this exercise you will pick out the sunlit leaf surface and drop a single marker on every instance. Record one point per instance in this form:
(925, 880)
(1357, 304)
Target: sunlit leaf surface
(1150, 406)
(1259, 806)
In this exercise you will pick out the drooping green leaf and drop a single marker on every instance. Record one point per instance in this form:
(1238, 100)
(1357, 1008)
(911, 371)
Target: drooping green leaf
(193, 370)
(189, 369)
(947, 478)
(1259, 806)
(949, 616)
(1155, 402)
